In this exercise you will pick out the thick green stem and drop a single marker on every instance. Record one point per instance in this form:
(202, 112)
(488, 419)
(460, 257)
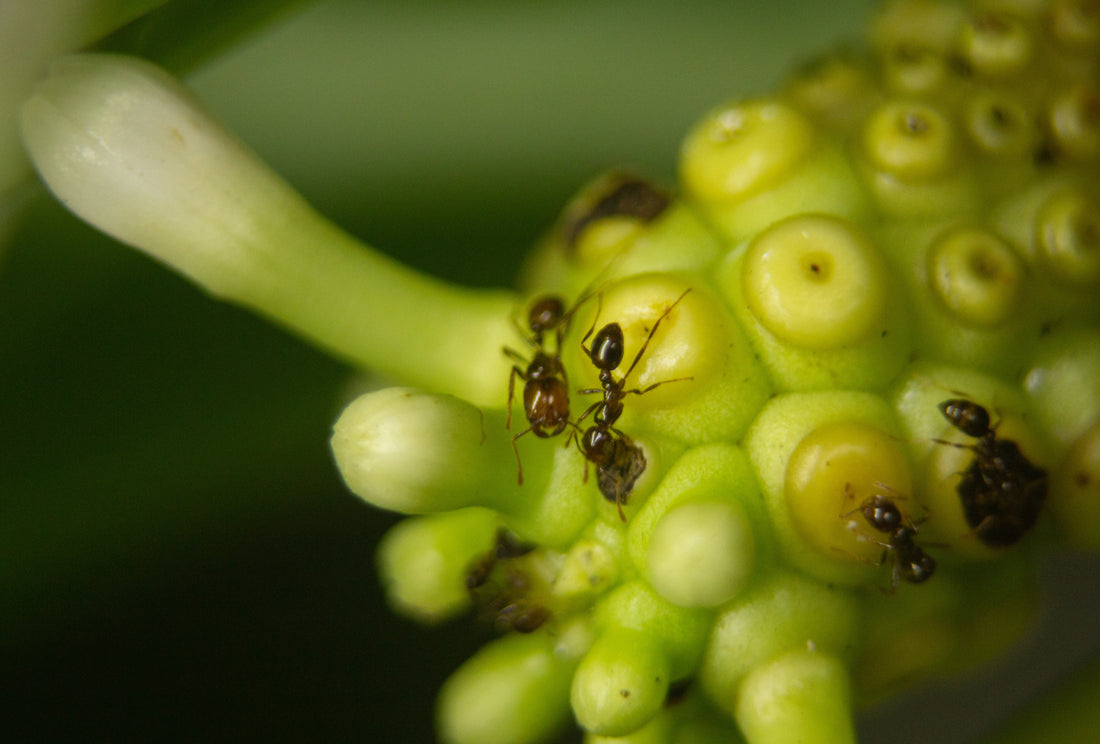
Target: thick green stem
(124, 146)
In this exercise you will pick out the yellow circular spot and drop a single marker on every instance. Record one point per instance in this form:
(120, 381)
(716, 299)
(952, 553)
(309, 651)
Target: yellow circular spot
(816, 282)
(976, 275)
(912, 141)
(743, 148)
(1068, 236)
(831, 473)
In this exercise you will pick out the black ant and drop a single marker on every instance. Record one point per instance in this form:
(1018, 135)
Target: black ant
(1002, 492)
(503, 599)
(619, 462)
(911, 563)
(546, 384)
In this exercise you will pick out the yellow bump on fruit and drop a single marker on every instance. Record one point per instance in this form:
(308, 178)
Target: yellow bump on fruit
(911, 141)
(689, 343)
(1074, 123)
(1075, 24)
(743, 148)
(994, 45)
(1068, 238)
(976, 275)
(909, 70)
(1000, 126)
(815, 281)
(621, 683)
(831, 472)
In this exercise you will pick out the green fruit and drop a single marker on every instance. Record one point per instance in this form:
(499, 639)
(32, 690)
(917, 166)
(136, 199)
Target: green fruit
(776, 382)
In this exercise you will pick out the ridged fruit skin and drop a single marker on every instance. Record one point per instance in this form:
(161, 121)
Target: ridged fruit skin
(896, 227)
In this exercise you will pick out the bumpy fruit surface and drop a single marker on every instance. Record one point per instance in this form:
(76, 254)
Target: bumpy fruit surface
(891, 231)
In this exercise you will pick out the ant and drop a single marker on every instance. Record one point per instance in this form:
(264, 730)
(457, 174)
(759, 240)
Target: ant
(546, 384)
(619, 461)
(883, 515)
(503, 599)
(1002, 492)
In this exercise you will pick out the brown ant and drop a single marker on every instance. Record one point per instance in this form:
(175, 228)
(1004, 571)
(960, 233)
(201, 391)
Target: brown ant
(619, 462)
(1002, 492)
(911, 563)
(503, 599)
(546, 384)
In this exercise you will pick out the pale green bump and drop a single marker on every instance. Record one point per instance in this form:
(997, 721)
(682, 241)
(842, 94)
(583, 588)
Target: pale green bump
(590, 568)
(621, 683)
(781, 613)
(802, 697)
(994, 45)
(818, 304)
(834, 89)
(1068, 237)
(743, 148)
(681, 631)
(971, 298)
(815, 281)
(976, 275)
(683, 567)
(912, 161)
(1062, 382)
(1073, 123)
(413, 452)
(749, 164)
(423, 561)
(515, 690)
(702, 554)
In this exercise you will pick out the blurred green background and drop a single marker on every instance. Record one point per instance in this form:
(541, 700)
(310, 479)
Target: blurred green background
(179, 560)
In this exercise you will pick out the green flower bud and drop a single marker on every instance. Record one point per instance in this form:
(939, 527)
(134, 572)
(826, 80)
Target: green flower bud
(680, 631)
(1074, 123)
(423, 562)
(802, 697)
(411, 452)
(621, 683)
(780, 613)
(515, 690)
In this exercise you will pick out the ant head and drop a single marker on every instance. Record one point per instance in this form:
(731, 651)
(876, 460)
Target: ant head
(545, 314)
(966, 416)
(607, 348)
(881, 513)
(919, 568)
(598, 445)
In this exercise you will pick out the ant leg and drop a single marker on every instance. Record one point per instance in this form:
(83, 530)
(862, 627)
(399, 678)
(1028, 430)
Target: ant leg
(643, 391)
(652, 331)
(599, 308)
(515, 449)
(511, 392)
